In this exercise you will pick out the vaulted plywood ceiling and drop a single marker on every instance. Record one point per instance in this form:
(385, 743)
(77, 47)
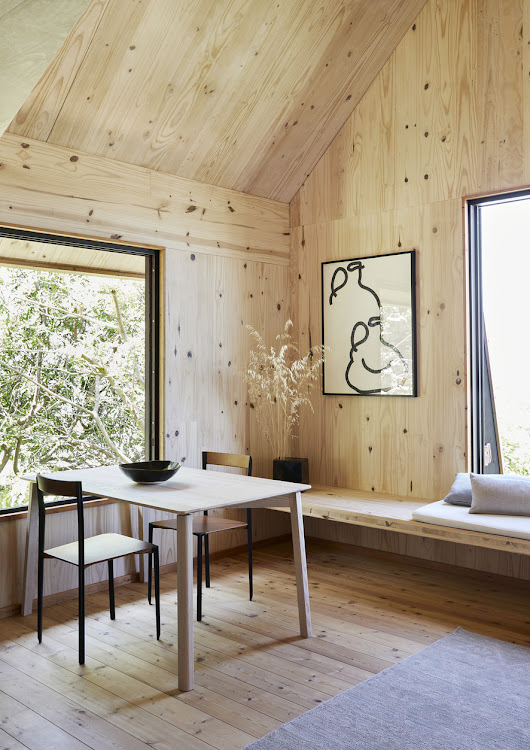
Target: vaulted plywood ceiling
(31, 32)
(244, 94)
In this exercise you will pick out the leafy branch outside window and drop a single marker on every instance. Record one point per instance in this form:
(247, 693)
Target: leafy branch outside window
(72, 389)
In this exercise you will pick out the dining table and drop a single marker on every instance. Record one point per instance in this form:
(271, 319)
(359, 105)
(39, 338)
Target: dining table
(190, 491)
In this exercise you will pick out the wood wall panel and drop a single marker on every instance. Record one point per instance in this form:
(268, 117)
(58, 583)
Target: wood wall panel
(448, 116)
(60, 528)
(52, 187)
(210, 300)
(489, 561)
(403, 446)
(435, 124)
(225, 265)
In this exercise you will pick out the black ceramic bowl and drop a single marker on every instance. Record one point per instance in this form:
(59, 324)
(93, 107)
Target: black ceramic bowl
(150, 471)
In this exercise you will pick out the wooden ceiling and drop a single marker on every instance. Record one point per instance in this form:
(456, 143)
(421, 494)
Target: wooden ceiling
(243, 94)
(32, 32)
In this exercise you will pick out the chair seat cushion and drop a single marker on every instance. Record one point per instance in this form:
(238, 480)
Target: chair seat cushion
(99, 548)
(203, 524)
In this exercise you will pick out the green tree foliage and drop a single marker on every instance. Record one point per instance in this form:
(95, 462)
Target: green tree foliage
(71, 373)
(515, 443)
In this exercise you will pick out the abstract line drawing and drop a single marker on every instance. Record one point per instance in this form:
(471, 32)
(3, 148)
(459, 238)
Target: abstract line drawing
(368, 323)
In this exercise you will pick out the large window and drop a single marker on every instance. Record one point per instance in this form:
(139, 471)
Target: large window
(499, 263)
(78, 371)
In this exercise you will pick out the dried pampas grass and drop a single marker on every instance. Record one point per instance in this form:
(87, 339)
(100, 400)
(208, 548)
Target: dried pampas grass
(279, 383)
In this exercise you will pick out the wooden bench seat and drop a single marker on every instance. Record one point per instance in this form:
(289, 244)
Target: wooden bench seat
(392, 513)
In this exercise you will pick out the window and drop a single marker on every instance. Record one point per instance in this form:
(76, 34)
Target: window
(78, 356)
(499, 269)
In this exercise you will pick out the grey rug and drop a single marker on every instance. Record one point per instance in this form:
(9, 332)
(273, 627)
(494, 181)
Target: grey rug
(465, 692)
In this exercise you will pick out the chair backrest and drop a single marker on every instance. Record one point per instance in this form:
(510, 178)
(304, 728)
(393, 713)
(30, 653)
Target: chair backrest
(61, 488)
(227, 459)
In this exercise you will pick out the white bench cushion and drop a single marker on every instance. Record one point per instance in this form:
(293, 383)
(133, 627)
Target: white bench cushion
(458, 517)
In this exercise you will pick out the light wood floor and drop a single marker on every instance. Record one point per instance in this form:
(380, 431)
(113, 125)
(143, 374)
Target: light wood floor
(253, 672)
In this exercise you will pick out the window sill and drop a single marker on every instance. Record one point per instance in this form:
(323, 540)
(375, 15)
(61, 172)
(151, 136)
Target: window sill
(18, 515)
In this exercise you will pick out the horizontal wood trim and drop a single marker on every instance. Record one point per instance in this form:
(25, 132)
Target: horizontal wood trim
(20, 247)
(395, 514)
(64, 596)
(207, 247)
(41, 183)
(501, 191)
(67, 268)
(76, 235)
(18, 515)
(10, 611)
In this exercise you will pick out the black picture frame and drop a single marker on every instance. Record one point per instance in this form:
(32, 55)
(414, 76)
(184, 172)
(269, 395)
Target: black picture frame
(369, 326)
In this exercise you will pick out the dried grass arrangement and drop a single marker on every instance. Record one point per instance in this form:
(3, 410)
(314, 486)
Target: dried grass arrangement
(279, 383)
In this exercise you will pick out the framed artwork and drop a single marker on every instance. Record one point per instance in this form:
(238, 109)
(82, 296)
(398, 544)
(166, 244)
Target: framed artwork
(369, 326)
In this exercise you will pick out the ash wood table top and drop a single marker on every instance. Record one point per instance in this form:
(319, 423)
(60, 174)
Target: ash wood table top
(189, 491)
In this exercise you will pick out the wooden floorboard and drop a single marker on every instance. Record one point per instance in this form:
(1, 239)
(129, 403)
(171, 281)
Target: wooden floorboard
(253, 671)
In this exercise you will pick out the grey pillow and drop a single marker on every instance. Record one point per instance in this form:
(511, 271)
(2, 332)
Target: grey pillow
(460, 492)
(500, 494)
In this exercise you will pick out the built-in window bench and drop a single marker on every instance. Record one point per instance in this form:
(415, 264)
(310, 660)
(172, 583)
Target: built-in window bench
(391, 513)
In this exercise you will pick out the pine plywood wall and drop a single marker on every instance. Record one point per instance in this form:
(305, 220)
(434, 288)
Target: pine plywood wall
(210, 301)
(225, 264)
(447, 117)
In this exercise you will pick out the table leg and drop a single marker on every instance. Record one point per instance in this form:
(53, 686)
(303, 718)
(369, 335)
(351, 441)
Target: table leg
(185, 601)
(144, 515)
(30, 558)
(302, 589)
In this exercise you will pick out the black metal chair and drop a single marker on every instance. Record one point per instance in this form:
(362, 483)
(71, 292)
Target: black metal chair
(85, 552)
(205, 525)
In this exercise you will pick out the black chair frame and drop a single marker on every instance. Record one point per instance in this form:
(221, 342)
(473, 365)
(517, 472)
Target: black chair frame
(205, 535)
(64, 488)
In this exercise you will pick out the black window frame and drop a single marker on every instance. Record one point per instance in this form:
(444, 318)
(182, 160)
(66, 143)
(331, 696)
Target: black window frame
(482, 419)
(152, 326)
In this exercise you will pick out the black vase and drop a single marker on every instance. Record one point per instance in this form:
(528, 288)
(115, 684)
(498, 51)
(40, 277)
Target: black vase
(291, 470)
